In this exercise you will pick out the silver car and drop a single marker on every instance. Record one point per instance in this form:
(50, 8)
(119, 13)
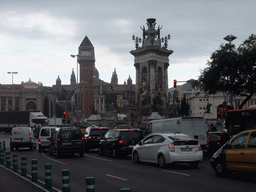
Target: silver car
(166, 148)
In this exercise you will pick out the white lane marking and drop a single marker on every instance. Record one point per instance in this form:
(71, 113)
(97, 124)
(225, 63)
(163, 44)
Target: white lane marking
(54, 159)
(98, 158)
(116, 177)
(177, 173)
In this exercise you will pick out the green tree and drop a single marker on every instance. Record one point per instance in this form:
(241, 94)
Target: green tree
(231, 70)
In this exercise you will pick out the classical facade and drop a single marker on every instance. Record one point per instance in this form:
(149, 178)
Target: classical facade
(151, 64)
(27, 96)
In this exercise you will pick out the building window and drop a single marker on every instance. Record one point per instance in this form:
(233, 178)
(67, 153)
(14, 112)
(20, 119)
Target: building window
(200, 108)
(9, 104)
(200, 99)
(3, 104)
(17, 104)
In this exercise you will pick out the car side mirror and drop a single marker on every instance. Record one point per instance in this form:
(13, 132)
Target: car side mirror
(229, 146)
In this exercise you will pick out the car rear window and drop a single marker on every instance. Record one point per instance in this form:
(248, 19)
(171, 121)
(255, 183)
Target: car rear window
(45, 132)
(183, 140)
(130, 135)
(98, 132)
(71, 134)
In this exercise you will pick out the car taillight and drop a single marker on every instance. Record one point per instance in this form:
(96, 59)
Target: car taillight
(90, 137)
(82, 138)
(122, 142)
(10, 138)
(171, 146)
(199, 147)
(30, 137)
(39, 142)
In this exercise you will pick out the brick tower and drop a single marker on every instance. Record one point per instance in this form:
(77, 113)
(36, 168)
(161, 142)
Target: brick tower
(86, 59)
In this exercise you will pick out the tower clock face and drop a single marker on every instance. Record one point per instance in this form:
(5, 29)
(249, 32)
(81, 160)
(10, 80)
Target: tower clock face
(86, 53)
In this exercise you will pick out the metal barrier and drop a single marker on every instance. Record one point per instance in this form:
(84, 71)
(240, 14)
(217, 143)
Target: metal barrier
(90, 182)
(48, 173)
(23, 165)
(8, 159)
(34, 170)
(65, 180)
(15, 162)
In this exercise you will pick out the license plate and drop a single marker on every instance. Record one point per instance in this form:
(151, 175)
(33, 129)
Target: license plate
(17, 139)
(78, 142)
(186, 149)
(69, 143)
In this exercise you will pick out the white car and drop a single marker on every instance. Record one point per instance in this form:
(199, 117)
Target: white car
(166, 148)
(44, 138)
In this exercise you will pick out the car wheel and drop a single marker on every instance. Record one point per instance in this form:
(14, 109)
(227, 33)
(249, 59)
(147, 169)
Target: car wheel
(161, 161)
(194, 164)
(81, 154)
(100, 151)
(136, 157)
(50, 152)
(220, 168)
(11, 148)
(31, 148)
(40, 150)
(114, 154)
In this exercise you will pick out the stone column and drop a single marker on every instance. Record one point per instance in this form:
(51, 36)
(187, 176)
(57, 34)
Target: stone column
(100, 107)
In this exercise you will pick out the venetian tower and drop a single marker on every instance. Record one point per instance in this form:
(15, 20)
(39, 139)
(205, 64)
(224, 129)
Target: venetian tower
(151, 63)
(86, 59)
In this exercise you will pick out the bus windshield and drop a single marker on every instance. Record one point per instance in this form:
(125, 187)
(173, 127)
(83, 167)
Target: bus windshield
(240, 120)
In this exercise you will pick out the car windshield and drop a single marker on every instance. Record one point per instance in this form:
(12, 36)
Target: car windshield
(130, 135)
(98, 132)
(71, 134)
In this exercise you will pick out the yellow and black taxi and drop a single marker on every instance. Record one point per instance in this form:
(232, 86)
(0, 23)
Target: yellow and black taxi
(238, 154)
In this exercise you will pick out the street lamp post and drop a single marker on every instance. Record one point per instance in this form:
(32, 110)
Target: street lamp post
(230, 38)
(12, 84)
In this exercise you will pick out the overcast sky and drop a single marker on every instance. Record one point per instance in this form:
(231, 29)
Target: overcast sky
(38, 36)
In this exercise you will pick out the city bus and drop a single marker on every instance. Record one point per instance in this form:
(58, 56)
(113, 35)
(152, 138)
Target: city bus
(240, 120)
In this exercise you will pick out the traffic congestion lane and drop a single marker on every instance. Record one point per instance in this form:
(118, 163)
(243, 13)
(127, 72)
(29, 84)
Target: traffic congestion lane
(113, 174)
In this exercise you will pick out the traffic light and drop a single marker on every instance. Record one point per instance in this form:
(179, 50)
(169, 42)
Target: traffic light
(69, 116)
(112, 86)
(174, 83)
(64, 115)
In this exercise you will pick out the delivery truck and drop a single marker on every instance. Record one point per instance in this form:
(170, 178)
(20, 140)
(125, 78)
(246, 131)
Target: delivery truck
(195, 127)
(33, 119)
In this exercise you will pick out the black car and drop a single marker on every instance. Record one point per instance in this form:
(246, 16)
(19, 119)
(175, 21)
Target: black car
(67, 140)
(213, 143)
(119, 141)
(92, 136)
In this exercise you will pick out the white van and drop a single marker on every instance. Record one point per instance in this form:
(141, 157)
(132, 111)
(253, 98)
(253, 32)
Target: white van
(192, 126)
(22, 137)
(44, 137)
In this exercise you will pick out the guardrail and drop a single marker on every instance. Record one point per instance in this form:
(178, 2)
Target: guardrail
(89, 181)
